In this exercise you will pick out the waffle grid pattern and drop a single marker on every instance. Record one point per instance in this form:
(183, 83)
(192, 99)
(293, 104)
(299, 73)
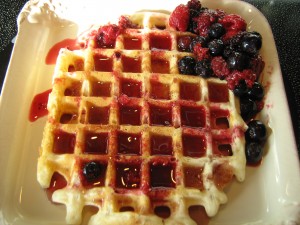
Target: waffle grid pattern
(162, 139)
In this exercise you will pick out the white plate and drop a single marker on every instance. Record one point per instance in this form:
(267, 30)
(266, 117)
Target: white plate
(270, 193)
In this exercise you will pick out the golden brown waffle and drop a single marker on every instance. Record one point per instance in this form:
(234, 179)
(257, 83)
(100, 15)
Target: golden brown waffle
(160, 141)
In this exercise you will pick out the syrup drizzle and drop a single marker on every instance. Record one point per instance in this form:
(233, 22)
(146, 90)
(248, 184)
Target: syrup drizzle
(38, 107)
(68, 43)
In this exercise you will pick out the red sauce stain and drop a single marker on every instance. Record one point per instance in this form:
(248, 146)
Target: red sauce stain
(198, 214)
(68, 43)
(57, 182)
(38, 107)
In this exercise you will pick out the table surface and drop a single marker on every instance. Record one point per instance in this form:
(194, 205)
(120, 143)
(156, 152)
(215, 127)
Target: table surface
(282, 15)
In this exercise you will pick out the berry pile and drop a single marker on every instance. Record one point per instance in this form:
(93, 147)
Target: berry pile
(223, 48)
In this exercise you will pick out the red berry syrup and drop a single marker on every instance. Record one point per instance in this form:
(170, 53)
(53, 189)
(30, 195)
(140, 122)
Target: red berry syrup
(71, 44)
(38, 107)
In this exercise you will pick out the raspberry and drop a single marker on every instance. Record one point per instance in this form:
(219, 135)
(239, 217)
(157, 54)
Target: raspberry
(204, 21)
(233, 24)
(107, 35)
(179, 18)
(234, 78)
(219, 67)
(200, 52)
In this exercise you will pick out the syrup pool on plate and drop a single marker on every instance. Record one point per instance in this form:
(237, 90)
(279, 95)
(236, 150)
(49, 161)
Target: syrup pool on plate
(38, 107)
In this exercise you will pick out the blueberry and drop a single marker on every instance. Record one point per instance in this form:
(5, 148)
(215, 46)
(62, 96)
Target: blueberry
(251, 43)
(186, 65)
(216, 30)
(240, 89)
(203, 68)
(228, 50)
(92, 171)
(216, 47)
(248, 108)
(256, 131)
(238, 61)
(256, 92)
(183, 43)
(198, 39)
(254, 152)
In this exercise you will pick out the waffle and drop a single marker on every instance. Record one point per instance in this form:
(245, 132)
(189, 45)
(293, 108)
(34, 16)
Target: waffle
(160, 142)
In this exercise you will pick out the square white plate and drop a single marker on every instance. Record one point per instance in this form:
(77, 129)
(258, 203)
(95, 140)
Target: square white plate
(270, 193)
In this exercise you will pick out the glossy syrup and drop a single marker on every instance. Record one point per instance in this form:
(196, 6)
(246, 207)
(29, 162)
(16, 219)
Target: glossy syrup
(38, 106)
(159, 90)
(161, 116)
(132, 43)
(128, 176)
(193, 116)
(161, 145)
(131, 88)
(160, 42)
(194, 146)
(57, 182)
(129, 143)
(162, 175)
(130, 115)
(52, 54)
(189, 91)
(63, 142)
(96, 143)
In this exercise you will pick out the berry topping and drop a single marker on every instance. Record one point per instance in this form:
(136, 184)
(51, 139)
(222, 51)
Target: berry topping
(256, 131)
(92, 171)
(219, 67)
(186, 65)
(107, 35)
(257, 65)
(204, 21)
(238, 61)
(194, 5)
(234, 78)
(216, 47)
(251, 43)
(256, 92)
(248, 108)
(200, 52)
(216, 30)
(179, 18)
(240, 89)
(184, 43)
(203, 69)
(198, 40)
(233, 24)
(254, 152)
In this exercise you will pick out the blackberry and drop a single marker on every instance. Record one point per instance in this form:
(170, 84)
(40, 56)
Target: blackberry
(238, 61)
(256, 92)
(203, 68)
(216, 47)
(251, 43)
(240, 89)
(186, 65)
(254, 152)
(92, 171)
(194, 4)
(198, 39)
(256, 131)
(194, 7)
(216, 30)
(183, 43)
